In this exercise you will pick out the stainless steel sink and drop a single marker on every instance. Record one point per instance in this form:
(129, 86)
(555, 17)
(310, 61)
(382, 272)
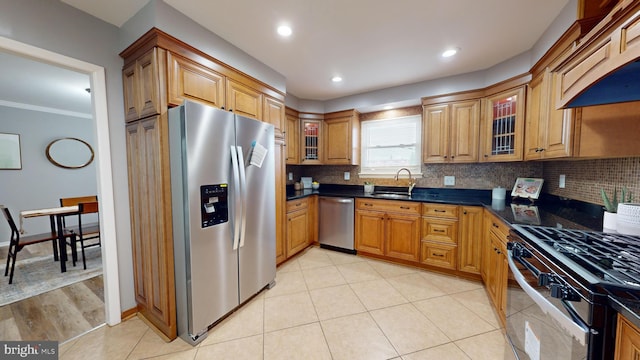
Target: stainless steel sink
(391, 195)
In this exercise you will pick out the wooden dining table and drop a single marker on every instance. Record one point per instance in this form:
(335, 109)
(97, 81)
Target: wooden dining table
(55, 218)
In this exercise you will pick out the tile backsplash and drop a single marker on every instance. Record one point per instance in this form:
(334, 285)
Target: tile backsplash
(584, 178)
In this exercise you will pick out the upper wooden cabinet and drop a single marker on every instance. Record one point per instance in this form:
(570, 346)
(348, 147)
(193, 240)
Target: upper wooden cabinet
(292, 136)
(311, 144)
(503, 126)
(342, 138)
(190, 80)
(244, 100)
(274, 114)
(142, 85)
(548, 131)
(451, 132)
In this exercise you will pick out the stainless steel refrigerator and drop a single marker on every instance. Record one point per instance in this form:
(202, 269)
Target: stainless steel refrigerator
(223, 203)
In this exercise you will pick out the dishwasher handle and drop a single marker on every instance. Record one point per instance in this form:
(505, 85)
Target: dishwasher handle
(337, 200)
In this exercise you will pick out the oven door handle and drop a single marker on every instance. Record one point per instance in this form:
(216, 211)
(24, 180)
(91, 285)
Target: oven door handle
(576, 330)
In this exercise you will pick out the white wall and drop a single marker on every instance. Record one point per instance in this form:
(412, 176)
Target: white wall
(40, 184)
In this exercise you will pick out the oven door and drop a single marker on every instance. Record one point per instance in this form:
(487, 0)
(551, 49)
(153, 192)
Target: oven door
(540, 326)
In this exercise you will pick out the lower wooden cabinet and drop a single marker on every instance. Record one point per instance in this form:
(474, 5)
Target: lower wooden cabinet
(439, 243)
(301, 228)
(627, 340)
(495, 268)
(298, 223)
(389, 228)
(470, 239)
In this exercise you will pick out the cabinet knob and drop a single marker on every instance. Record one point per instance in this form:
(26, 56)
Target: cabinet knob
(485, 155)
(452, 156)
(465, 212)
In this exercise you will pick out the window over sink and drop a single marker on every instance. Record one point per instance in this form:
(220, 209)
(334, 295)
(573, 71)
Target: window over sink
(390, 144)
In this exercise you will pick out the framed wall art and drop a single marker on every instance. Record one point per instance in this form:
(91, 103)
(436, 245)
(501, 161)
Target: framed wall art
(10, 158)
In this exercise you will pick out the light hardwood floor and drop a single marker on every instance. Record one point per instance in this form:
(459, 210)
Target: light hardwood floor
(60, 314)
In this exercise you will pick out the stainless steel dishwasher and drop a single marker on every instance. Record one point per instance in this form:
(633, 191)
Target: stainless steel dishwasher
(335, 230)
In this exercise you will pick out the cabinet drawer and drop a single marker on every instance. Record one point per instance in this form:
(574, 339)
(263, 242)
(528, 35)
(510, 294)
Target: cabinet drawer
(405, 207)
(500, 228)
(440, 255)
(440, 230)
(298, 204)
(440, 210)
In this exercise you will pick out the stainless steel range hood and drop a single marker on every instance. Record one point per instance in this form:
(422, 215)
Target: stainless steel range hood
(622, 85)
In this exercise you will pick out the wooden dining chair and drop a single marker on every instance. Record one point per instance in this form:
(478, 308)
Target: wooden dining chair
(17, 242)
(84, 230)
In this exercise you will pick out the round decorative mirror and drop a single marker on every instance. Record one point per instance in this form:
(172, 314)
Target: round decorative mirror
(70, 153)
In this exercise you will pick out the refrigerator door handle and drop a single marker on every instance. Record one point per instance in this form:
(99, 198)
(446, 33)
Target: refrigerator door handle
(243, 189)
(237, 199)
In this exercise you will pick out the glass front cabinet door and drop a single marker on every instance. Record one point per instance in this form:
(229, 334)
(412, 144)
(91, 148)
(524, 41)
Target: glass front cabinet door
(311, 141)
(503, 126)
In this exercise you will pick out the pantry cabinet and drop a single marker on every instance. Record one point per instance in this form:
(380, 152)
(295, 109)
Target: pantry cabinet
(503, 126)
(388, 228)
(342, 138)
(151, 233)
(281, 198)
(451, 132)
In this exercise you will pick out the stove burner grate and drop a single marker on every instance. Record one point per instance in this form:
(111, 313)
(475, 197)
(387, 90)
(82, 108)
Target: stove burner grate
(611, 257)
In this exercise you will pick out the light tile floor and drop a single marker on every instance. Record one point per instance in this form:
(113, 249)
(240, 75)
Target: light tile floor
(330, 305)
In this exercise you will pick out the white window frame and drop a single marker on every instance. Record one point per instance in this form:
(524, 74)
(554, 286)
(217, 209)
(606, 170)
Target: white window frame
(367, 171)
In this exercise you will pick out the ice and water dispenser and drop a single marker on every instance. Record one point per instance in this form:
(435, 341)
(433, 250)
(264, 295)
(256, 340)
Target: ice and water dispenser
(214, 206)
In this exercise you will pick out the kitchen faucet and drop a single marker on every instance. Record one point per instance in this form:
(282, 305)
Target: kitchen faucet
(412, 181)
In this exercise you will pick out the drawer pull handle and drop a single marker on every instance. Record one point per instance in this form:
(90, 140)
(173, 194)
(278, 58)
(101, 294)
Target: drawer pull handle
(405, 207)
(440, 211)
(298, 204)
(367, 204)
(438, 230)
(495, 225)
(438, 255)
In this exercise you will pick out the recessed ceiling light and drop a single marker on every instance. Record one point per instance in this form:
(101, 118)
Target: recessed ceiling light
(284, 30)
(336, 79)
(450, 52)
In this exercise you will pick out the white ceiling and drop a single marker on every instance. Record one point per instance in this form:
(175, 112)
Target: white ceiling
(372, 44)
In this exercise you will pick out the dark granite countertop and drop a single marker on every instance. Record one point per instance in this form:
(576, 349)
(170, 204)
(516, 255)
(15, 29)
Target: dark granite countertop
(549, 210)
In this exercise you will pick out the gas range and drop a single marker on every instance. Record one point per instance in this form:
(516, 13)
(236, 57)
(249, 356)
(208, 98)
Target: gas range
(608, 260)
(570, 275)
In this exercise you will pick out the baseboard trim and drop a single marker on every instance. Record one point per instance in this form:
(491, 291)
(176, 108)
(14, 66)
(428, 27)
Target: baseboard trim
(129, 313)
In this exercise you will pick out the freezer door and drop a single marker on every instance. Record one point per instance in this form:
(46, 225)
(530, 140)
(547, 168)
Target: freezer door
(257, 249)
(211, 262)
